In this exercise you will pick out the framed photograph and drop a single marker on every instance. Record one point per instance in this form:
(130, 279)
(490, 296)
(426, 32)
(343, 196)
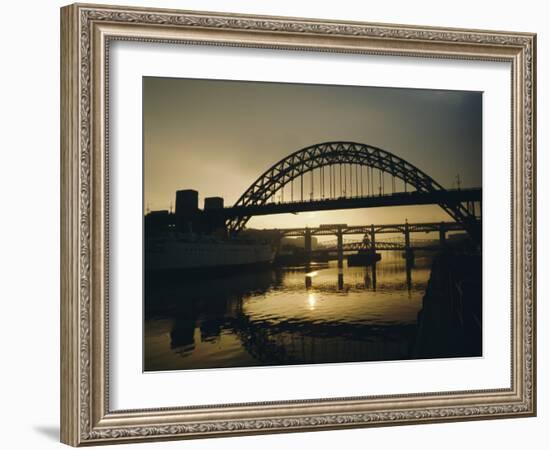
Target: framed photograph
(275, 225)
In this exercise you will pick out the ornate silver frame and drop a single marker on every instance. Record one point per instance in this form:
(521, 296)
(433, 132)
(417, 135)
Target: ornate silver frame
(86, 31)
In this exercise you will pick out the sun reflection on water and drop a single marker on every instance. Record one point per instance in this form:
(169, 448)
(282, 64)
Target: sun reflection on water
(312, 300)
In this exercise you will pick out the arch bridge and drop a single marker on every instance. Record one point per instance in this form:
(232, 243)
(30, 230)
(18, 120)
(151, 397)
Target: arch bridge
(337, 175)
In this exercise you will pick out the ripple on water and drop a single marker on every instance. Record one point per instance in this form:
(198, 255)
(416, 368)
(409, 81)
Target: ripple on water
(280, 317)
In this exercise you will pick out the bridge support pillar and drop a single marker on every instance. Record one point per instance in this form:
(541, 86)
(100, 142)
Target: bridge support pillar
(408, 254)
(372, 240)
(442, 235)
(407, 238)
(340, 247)
(307, 244)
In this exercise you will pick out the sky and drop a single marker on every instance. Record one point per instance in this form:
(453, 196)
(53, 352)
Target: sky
(218, 137)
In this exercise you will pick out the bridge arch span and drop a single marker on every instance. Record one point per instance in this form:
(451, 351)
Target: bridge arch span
(336, 153)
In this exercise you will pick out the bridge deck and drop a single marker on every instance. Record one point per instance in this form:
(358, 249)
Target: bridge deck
(376, 201)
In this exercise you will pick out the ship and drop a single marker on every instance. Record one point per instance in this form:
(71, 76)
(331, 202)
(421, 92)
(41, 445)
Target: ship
(192, 240)
(363, 258)
(191, 253)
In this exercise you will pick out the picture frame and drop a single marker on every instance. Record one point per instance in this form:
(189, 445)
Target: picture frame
(87, 31)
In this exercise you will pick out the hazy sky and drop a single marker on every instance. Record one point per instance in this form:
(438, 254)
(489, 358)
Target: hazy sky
(217, 137)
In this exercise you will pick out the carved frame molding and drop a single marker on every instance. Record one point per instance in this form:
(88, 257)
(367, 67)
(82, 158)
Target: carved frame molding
(86, 31)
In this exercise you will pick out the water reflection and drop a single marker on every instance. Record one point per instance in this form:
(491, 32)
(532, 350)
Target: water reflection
(315, 314)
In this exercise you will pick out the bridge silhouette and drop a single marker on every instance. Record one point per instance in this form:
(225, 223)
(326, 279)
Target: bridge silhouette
(369, 232)
(364, 244)
(341, 175)
(390, 228)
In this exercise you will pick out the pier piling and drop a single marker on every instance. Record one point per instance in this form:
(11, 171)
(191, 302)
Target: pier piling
(442, 236)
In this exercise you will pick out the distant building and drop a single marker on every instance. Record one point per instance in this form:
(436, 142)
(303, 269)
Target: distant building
(213, 220)
(188, 218)
(158, 221)
(187, 211)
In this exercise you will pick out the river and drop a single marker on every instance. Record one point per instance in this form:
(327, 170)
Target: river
(291, 315)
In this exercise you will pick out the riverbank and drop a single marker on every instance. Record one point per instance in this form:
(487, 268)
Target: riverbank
(449, 323)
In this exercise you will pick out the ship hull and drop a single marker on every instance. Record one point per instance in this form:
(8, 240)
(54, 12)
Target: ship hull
(196, 257)
(363, 259)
